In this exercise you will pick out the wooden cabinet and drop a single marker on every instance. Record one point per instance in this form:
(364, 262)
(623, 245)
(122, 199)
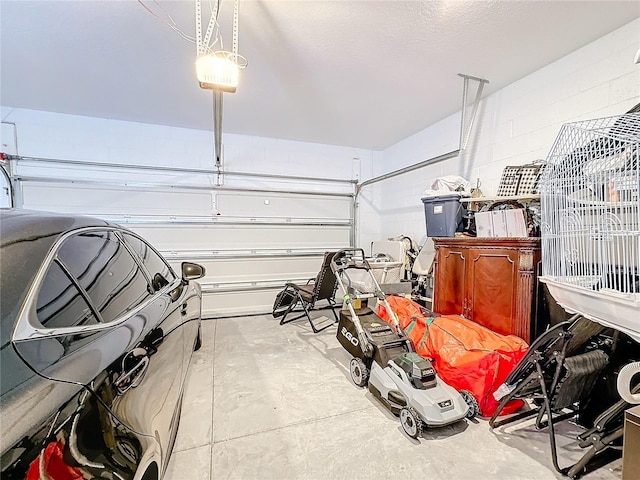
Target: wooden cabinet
(492, 281)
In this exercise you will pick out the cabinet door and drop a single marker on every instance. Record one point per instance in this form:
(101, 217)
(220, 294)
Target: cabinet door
(450, 291)
(493, 279)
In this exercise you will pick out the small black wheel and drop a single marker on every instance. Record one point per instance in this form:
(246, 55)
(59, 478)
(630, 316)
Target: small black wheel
(411, 422)
(359, 372)
(471, 401)
(198, 343)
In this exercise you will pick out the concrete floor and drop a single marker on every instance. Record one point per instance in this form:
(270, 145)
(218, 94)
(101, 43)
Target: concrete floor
(277, 402)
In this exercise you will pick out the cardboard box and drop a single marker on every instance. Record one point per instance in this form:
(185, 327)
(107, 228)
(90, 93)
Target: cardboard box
(484, 227)
(516, 223)
(501, 224)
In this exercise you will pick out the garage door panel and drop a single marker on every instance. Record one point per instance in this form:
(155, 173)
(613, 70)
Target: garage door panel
(266, 205)
(250, 241)
(237, 303)
(114, 201)
(256, 269)
(225, 238)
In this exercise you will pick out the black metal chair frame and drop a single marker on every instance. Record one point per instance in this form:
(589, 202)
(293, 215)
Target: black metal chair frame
(538, 375)
(607, 429)
(323, 287)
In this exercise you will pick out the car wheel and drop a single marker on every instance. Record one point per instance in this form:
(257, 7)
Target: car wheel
(359, 372)
(198, 343)
(151, 473)
(411, 422)
(471, 401)
(127, 453)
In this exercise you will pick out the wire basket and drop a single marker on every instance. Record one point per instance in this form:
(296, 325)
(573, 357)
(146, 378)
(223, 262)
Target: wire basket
(591, 220)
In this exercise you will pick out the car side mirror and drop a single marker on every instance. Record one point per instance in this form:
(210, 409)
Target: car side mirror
(192, 271)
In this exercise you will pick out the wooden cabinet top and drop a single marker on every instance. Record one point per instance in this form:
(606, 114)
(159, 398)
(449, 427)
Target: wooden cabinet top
(531, 242)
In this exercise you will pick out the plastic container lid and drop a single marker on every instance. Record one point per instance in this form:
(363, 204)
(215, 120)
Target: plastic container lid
(444, 195)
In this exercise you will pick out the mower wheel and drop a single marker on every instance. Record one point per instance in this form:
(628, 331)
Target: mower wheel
(471, 401)
(359, 372)
(411, 422)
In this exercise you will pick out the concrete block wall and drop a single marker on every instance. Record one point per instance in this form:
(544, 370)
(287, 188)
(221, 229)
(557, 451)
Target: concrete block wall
(515, 125)
(396, 201)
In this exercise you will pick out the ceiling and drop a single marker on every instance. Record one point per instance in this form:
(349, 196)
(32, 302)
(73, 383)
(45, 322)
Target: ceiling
(355, 73)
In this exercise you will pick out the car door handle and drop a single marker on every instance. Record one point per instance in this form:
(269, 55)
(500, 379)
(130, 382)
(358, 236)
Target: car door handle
(134, 366)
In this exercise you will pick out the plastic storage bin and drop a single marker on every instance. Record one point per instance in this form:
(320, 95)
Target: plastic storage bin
(444, 215)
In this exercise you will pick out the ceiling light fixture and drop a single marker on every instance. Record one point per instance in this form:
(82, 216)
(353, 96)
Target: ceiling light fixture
(217, 73)
(217, 70)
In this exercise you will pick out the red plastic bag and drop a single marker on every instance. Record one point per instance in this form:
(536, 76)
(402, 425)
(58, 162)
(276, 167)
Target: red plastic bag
(466, 355)
(51, 464)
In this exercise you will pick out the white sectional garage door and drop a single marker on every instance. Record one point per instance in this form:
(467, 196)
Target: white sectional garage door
(253, 234)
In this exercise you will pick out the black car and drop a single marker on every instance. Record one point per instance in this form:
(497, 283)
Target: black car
(97, 334)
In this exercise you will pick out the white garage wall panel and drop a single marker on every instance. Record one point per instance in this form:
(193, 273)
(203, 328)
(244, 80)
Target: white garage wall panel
(228, 289)
(114, 201)
(267, 205)
(278, 269)
(262, 241)
(196, 238)
(238, 302)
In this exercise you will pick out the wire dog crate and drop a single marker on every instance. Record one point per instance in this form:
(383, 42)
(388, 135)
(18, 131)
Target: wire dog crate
(591, 220)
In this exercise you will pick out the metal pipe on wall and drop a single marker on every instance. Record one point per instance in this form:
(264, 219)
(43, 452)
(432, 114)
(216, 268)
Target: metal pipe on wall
(464, 138)
(155, 186)
(386, 176)
(161, 168)
(410, 168)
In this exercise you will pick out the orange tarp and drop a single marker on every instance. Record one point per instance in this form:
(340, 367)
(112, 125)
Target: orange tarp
(466, 355)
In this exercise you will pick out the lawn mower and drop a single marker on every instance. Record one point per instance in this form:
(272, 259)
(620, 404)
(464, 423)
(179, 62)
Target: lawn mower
(384, 357)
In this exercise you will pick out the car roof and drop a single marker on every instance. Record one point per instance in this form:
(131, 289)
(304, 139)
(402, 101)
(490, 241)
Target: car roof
(26, 237)
(19, 224)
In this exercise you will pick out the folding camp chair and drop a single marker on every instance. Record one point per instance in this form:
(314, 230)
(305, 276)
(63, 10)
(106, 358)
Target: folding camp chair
(606, 434)
(323, 287)
(558, 371)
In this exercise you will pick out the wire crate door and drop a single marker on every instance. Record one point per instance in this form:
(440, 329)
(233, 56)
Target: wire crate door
(520, 180)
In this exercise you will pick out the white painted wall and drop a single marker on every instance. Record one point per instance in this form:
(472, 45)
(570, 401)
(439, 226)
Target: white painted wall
(72, 137)
(515, 125)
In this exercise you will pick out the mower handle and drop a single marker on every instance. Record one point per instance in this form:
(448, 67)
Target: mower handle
(349, 258)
